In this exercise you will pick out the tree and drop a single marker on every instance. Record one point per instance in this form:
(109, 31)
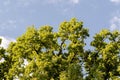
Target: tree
(103, 63)
(41, 54)
(4, 63)
(2, 51)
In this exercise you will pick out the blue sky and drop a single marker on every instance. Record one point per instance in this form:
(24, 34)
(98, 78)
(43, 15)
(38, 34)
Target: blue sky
(17, 15)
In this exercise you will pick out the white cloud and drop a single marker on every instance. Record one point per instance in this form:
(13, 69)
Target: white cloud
(8, 24)
(65, 7)
(115, 1)
(6, 41)
(26, 3)
(75, 1)
(19, 3)
(6, 2)
(62, 1)
(115, 23)
(53, 1)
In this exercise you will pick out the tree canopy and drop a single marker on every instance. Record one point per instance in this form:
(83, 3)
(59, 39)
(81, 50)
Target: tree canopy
(42, 54)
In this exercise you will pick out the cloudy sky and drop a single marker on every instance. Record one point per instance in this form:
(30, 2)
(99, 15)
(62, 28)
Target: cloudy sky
(17, 15)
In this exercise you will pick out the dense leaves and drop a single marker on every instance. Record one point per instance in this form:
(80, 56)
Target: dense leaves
(103, 63)
(5, 63)
(41, 54)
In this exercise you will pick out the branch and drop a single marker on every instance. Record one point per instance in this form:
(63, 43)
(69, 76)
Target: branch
(60, 51)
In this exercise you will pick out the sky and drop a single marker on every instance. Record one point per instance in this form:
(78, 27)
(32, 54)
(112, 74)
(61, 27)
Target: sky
(17, 15)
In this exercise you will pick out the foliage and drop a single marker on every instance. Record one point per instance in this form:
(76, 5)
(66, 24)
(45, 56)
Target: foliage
(4, 63)
(103, 63)
(41, 54)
